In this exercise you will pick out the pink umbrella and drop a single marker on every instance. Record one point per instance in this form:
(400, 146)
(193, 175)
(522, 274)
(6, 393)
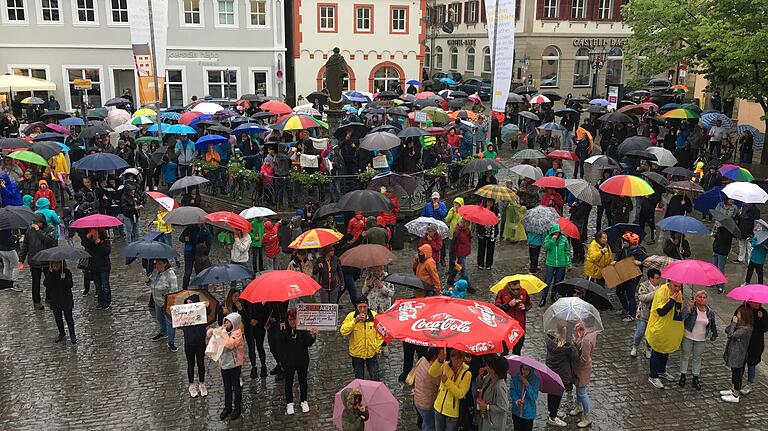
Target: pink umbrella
(116, 117)
(693, 271)
(164, 200)
(95, 221)
(57, 128)
(750, 292)
(550, 381)
(383, 407)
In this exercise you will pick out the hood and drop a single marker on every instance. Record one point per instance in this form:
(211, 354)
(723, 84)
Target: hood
(459, 201)
(462, 285)
(348, 395)
(427, 250)
(554, 228)
(267, 225)
(42, 204)
(235, 319)
(4, 176)
(41, 182)
(358, 213)
(27, 199)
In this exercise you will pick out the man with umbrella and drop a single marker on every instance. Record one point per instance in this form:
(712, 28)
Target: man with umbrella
(514, 301)
(192, 236)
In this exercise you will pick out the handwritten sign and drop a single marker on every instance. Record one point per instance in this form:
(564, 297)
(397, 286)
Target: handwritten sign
(309, 161)
(380, 162)
(324, 317)
(189, 314)
(420, 117)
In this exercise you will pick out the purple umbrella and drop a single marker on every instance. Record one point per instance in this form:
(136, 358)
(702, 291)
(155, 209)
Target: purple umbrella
(551, 383)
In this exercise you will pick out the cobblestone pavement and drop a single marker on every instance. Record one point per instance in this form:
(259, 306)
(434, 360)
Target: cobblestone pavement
(115, 378)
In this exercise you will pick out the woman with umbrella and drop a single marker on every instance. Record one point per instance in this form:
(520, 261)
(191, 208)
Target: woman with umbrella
(96, 242)
(676, 246)
(486, 238)
(515, 301)
(435, 241)
(329, 275)
(523, 393)
(493, 399)
(585, 342)
(39, 236)
(645, 292)
(58, 294)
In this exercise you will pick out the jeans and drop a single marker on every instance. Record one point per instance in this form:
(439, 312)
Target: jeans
(553, 275)
(640, 326)
(289, 373)
(273, 339)
(719, 261)
(351, 287)
(131, 229)
(751, 373)
(59, 314)
(626, 293)
(195, 354)
(184, 170)
(691, 348)
(737, 377)
(658, 364)
(10, 264)
(427, 418)
(164, 322)
(445, 423)
(103, 291)
(231, 380)
(460, 260)
(329, 296)
(372, 364)
(582, 396)
(37, 274)
(257, 254)
(754, 267)
(189, 263)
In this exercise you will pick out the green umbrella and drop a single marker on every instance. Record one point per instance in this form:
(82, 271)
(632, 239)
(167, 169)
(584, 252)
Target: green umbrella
(29, 157)
(437, 114)
(691, 107)
(98, 113)
(141, 120)
(147, 140)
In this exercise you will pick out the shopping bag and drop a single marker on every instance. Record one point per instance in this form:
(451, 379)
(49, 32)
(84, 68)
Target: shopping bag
(215, 346)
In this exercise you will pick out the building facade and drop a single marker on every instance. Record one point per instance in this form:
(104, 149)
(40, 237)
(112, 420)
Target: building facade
(381, 40)
(553, 41)
(221, 48)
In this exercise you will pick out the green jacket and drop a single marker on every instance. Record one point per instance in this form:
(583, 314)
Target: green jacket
(453, 218)
(257, 234)
(557, 250)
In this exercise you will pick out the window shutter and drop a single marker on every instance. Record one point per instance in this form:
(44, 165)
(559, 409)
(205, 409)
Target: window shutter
(517, 9)
(466, 13)
(459, 9)
(592, 9)
(617, 10)
(539, 9)
(483, 18)
(565, 9)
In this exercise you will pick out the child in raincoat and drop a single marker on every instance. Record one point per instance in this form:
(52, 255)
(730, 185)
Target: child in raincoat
(44, 192)
(231, 363)
(271, 243)
(355, 412)
(458, 290)
(51, 217)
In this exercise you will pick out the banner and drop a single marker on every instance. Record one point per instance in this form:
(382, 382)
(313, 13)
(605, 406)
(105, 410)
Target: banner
(141, 45)
(503, 59)
(324, 317)
(613, 98)
(189, 314)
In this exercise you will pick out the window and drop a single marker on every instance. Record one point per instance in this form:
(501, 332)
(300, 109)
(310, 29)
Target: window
(192, 13)
(472, 8)
(454, 13)
(582, 69)
(454, 58)
(438, 57)
(440, 14)
(471, 60)
(260, 83)
(578, 9)
(225, 12)
(427, 57)
(550, 64)
(119, 13)
(550, 8)
(174, 88)
(222, 83)
(613, 66)
(604, 9)
(363, 19)
(487, 59)
(399, 19)
(94, 94)
(85, 11)
(386, 78)
(16, 11)
(257, 13)
(49, 11)
(35, 73)
(326, 18)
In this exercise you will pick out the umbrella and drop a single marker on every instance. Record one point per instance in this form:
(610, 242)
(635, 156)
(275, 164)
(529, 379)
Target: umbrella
(321, 97)
(437, 114)
(550, 182)
(94, 131)
(408, 280)
(616, 117)
(325, 211)
(144, 111)
(256, 212)
(478, 215)
(60, 252)
(562, 155)
(599, 102)
(278, 286)
(367, 201)
(568, 228)
(316, 238)
(46, 150)
(528, 114)
(383, 408)
(529, 282)
(249, 128)
(525, 89)
(509, 132)
(188, 181)
(657, 262)
(125, 128)
(224, 273)
(149, 249)
(481, 165)
(141, 120)
(539, 218)
(583, 191)
(496, 192)
(656, 178)
(185, 216)
(740, 191)
(101, 113)
(632, 109)
(684, 224)
(750, 292)
(358, 130)
(100, 162)
(230, 221)
(171, 116)
(30, 157)
(664, 157)
(419, 226)
(539, 98)
(736, 173)
(116, 117)
(527, 171)
(709, 200)
(710, 120)
(512, 98)
(72, 121)
(552, 127)
(563, 317)
(528, 154)
(677, 171)
(204, 141)
(633, 143)
(178, 298)
(603, 162)
(412, 132)
(691, 271)
(54, 115)
(471, 326)
(12, 217)
(356, 96)
(180, 129)
(13, 143)
(594, 293)
(94, 221)
(366, 256)
(413, 82)
(33, 101)
(164, 200)
(187, 117)
(759, 138)
(727, 222)
(549, 381)
(48, 136)
(679, 113)
(565, 111)
(686, 186)
(297, 122)
(627, 185)
(615, 231)
(407, 182)
(207, 108)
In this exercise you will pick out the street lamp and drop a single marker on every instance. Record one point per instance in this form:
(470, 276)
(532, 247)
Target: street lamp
(596, 62)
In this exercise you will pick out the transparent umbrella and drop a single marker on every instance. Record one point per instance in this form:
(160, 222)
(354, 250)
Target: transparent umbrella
(570, 316)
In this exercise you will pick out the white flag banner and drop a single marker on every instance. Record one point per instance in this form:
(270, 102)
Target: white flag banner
(503, 59)
(141, 44)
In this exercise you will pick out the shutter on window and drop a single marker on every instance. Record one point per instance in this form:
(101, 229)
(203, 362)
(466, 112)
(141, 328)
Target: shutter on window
(592, 9)
(459, 9)
(539, 9)
(517, 9)
(466, 13)
(617, 10)
(565, 9)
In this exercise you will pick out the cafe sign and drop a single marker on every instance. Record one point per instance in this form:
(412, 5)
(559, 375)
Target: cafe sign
(596, 43)
(462, 42)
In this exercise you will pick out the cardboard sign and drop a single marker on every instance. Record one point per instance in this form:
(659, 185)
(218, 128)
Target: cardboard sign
(189, 314)
(309, 161)
(380, 162)
(420, 117)
(324, 317)
(620, 272)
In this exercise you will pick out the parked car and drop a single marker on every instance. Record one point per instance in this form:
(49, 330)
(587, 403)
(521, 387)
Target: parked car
(482, 87)
(549, 80)
(455, 76)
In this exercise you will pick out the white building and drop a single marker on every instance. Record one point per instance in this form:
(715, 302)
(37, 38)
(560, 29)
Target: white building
(222, 48)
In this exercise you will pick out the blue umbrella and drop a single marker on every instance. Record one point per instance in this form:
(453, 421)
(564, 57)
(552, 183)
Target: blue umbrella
(349, 108)
(204, 141)
(599, 102)
(709, 120)
(221, 274)
(413, 82)
(759, 137)
(199, 118)
(356, 96)
(173, 116)
(249, 128)
(153, 128)
(72, 121)
(180, 129)
(448, 81)
(669, 107)
(684, 224)
(62, 146)
(708, 200)
(48, 136)
(151, 236)
(148, 249)
(552, 126)
(100, 162)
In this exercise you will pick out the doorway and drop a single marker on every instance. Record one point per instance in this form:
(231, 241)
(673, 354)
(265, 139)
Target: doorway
(122, 79)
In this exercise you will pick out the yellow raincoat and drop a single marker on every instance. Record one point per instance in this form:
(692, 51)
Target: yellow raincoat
(364, 341)
(596, 260)
(665, 333)
(513, 223)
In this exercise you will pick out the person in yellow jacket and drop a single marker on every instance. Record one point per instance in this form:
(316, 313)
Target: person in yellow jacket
(163, 227)
(452, 219)
(599, 256)
(364, 341)
(455, 380)
(665, 330)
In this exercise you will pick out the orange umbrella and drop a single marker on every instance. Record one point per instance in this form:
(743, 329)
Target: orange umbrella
(316, 238)
(471, 115)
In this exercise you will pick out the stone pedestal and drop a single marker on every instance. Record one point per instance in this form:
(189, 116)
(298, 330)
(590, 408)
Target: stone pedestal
(334, 119)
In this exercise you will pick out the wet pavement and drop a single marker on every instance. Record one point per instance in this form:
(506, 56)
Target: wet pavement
(116, 378)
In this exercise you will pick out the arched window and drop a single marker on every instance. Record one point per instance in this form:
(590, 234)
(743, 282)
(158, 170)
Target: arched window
(386, 78)
(581, 68)
(454, 58)
(487, 59)
(427, 57)
(550, 67)
(471, 60)
(614, 64)
(438, 57)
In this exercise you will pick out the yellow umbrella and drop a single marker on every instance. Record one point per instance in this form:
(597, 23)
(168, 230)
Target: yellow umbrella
(530, 283)
(316, 238)
(144, 111)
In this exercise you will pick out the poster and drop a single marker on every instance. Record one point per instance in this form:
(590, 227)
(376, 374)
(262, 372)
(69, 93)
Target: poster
(309, 161)
(189, 314)
(420, 117)
(613, 97)
(324, 317)
(141, 45)
(380, 162)
(503, 58)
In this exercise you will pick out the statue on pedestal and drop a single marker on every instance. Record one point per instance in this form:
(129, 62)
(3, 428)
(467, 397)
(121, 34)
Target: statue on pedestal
(335, 71)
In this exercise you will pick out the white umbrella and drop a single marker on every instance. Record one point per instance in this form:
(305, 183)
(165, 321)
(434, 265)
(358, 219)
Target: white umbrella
(420, 225)
(528, 171)
(307, 109)
(568, 314)
(207, 108)
(746, 192)
(116, 117)
(583, 191)
(664, 157)
(10, 83)
(127, 127)
(254, 212)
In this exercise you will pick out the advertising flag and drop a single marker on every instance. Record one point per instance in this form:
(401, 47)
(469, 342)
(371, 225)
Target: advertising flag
(141, 44)
(503, 58)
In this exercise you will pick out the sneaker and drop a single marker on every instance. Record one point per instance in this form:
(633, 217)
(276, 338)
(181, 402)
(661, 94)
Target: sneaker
(557, 422)
(746, 389)
(720, 290)
(633, 352)
(543, 302)
(202, 389)
(562, 415)
(17, 289)
(726, 392)
(107, 307)
(254, 372)
(224, 414)
(584, 422)
(289, 409)
(576, 410)
(99, 307)
(304, 407)
(192, 390)
(647, 354)
(157, 337)
(668, 377)
(241, 382)
(656, 382)
(173, 348)
(628, 319)
(681, 382)
(730, 398)
(235, 414)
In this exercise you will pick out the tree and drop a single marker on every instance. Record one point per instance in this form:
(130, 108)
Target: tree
(726, 41)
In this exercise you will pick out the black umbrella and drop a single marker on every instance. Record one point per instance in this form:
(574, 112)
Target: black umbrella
(225, 273)
(149, 250)
(529, 115)
(423, 103)
(641, 154)
(593, 292)
(60, 252)
(616, 117)
(408, 280)
(481, 165)
(93, 131)
(219, 128)
(387, 95)
(185, 216)
(48, 136)
(594, 109)
(367, 201)
(397, 110)
(263, 114)
(373, 111)
(117, 101)
(188, 181)
(406, 182)
(326, 210)
(455, 104)
(634, 143)
(605, 162)
(412, 132)
(358, 130)
(321, 97)
(616, 231)
(46, 149)
(458, 94)
(727, 222)
(253, 98)
(13, 143)
(656, 178)
(552, 95)
(16, 217)
(678, 171)
(54, 115)
(515, 98)
(386, 128)
(525, 89)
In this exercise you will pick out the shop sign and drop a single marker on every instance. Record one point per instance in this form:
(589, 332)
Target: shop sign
(462, 42)
(595, 43)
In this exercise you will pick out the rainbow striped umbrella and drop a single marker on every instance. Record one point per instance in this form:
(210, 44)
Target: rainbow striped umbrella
(736, 173)
(316, 238)
(681, 113)
(627, 185)
(298, 122)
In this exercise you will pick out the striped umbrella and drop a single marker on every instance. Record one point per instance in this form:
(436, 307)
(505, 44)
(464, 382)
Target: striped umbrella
(316, 238)
(140, 120)
(539, 98)
(298, 122)
(709, 120)
(626, 185)
(680, 113)
(496, 192)
(759, 138)
(144, 111)
(736, 173)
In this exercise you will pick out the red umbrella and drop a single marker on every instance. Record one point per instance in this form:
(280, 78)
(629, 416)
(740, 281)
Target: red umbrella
(425, 95)
(276, 107)
(550, 182)
(478, 215)
(95, 221)
(568, 228)
(279, 286)
(229, 221)
(562, 155)
(187, 117)
(471, 326)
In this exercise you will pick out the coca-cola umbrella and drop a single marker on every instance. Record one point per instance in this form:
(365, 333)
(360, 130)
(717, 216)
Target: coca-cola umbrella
(228, 220)
(478, 215)
(471, 326)
(278, 286)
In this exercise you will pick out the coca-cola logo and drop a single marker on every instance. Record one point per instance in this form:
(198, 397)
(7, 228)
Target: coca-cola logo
(408, 310)
(441, 325)
(513, 335)
(485, 314)
(482, 347)
(294, 291)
